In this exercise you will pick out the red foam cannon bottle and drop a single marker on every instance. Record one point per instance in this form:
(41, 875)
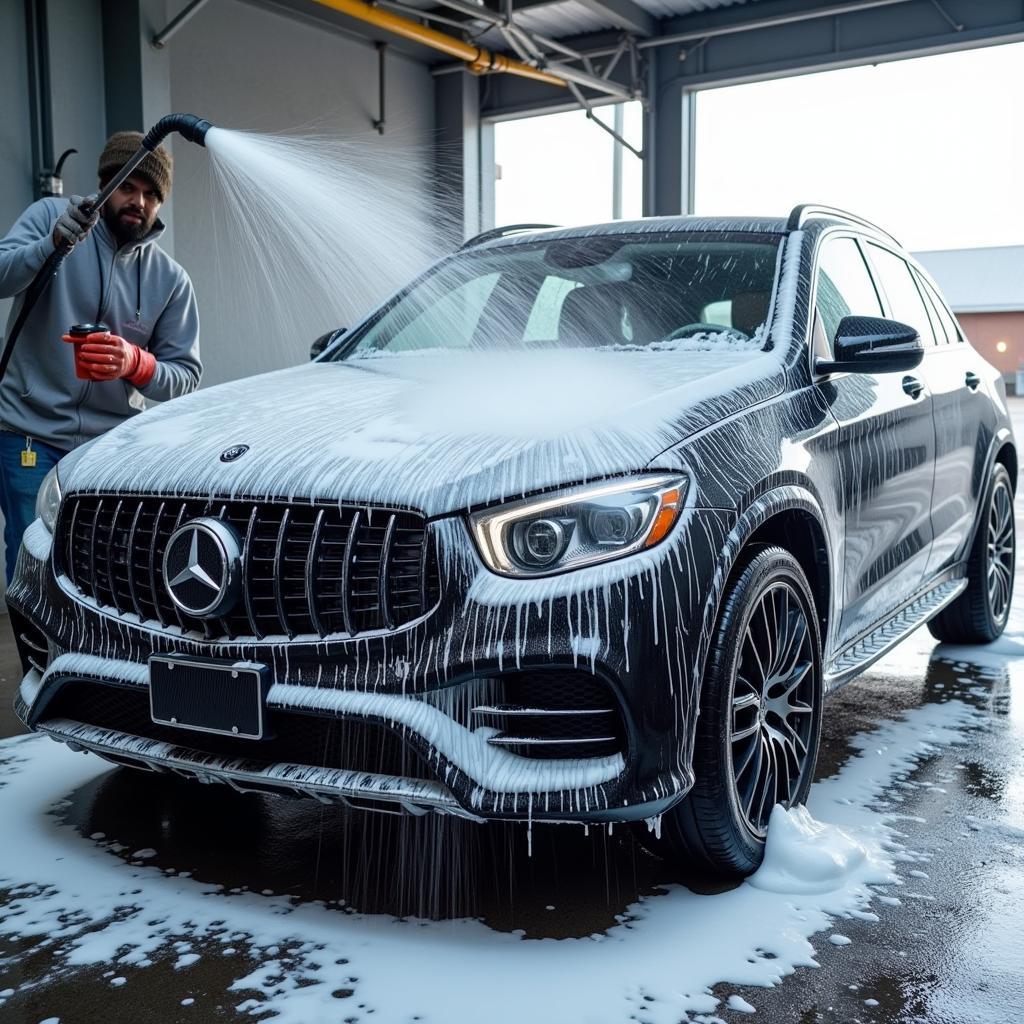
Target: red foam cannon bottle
(77, 335)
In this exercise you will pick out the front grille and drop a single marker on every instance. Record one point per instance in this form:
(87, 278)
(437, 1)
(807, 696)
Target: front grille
(292, 738)
(307, 569)
(549, 714)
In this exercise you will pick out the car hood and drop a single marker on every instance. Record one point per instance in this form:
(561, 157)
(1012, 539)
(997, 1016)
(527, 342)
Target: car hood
(437, 432)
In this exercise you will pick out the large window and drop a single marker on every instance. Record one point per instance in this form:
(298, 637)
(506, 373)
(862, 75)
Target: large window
(930, 148)
(564, 169)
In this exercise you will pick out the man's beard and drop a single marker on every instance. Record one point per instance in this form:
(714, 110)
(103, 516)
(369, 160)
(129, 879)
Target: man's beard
(125, 231)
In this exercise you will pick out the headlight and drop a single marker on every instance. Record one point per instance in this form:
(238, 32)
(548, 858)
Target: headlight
(573, 528)
(48, 500)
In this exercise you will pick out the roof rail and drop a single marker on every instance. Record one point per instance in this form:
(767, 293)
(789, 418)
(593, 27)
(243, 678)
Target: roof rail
(799, 215)
(510, 229)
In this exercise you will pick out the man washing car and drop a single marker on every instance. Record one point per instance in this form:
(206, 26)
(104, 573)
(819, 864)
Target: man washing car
(56, 396)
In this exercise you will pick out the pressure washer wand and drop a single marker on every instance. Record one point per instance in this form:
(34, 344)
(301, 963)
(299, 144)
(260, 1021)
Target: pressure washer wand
(189, 126)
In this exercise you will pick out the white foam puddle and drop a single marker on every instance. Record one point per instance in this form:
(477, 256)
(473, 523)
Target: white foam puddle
(658, 964)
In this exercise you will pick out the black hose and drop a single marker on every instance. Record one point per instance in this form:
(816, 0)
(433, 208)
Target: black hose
(60, 162)
(189, 127)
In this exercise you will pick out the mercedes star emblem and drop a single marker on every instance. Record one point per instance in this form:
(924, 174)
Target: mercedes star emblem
(202, 567)
(236, 451)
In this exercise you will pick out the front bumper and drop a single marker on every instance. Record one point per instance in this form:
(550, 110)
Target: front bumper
(360, 789)
(630, 625)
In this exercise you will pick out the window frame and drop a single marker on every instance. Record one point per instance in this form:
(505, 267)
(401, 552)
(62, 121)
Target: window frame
(941, 306)
(827, 236)
(887, 302)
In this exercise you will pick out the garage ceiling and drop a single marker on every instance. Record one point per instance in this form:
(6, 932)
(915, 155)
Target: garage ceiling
(610, 50)
(575, 17)
(561, 18)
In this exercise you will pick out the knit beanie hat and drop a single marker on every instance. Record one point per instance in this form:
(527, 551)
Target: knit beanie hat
(157, 167)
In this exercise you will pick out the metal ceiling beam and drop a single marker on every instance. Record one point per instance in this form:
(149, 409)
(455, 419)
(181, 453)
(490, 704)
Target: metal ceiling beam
(497, 99)
(520, 5)
(555, 67)
(772, 21)
(476, 58)
(627, 15)
(624, 14)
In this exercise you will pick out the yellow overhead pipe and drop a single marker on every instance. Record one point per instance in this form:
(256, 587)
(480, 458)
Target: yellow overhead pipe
(478, 59)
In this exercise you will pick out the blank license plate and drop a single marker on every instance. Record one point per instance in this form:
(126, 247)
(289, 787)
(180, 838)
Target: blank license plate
(208, 695)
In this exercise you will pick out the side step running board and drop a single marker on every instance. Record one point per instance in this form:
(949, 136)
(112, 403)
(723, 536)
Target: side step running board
(868, 649)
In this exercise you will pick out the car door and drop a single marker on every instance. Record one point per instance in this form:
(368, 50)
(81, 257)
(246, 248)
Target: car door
(965, 420)
(886, 448)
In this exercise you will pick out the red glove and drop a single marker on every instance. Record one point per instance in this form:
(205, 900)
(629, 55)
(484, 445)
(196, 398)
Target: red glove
(109, 357)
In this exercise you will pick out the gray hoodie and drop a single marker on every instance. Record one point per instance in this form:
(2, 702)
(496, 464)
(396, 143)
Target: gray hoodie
(136, 289)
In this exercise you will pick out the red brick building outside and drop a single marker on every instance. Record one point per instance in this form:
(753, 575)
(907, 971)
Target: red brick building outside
(985, 288)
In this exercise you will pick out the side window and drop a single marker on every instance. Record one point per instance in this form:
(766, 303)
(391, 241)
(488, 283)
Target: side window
(949, 325)
(938, 331)
(719, 313)
(905, 302)
(844, 285)
(449, 321)
(547, 309)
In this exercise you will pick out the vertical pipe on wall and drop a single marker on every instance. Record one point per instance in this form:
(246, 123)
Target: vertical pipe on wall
(39, 92)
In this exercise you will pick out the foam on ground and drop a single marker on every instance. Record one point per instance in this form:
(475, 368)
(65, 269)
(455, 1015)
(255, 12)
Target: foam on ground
(663, 959)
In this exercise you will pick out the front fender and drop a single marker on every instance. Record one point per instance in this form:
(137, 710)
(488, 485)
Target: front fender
(748, 522)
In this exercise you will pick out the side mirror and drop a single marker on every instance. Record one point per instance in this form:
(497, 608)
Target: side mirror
(869, 344)
(324, 340)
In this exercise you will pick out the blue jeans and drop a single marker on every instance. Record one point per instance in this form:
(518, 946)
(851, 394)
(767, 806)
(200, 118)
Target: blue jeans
(19, 486)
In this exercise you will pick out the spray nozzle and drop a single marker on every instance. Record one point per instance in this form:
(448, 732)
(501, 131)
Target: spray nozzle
(189, 126)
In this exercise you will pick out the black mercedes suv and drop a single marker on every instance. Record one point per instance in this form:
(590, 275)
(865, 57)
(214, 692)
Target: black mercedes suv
(581, 526)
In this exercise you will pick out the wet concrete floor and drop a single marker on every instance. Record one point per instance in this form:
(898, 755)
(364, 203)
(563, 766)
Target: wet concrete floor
(953, 952)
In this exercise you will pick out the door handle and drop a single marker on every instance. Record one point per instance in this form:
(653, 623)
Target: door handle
(912, 386)
(972, 380)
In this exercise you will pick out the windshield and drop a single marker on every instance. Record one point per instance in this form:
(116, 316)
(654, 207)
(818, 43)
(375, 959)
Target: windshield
(621, 293)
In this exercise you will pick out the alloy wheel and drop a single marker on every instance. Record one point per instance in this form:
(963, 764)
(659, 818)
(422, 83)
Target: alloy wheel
(1000, 552)
(774, 701)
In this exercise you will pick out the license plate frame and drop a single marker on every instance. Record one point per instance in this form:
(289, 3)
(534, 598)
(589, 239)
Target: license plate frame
(209, 695)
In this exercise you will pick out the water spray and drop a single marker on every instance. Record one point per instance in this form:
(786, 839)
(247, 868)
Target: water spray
(189, 126)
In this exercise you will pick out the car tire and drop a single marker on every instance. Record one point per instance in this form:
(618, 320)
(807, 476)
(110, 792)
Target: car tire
(980, 613)
(743, 739)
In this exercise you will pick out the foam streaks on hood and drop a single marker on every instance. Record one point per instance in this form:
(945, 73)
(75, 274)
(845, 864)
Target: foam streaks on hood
(434, 432)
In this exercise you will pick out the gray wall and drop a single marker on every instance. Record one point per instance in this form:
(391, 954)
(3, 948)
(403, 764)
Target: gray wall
(78, 117)
(77, 107)
(246, 67)
(15, 126)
